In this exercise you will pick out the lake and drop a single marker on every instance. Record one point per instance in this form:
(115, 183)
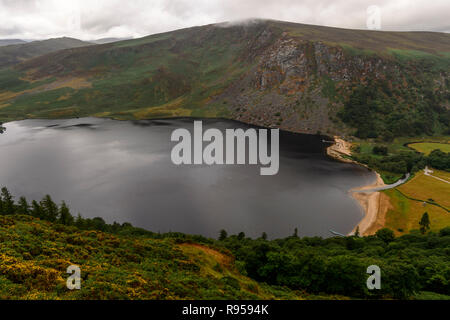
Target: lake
(122, 171)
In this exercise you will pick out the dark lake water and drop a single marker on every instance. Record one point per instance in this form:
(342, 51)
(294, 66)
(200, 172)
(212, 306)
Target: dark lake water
(122, 171)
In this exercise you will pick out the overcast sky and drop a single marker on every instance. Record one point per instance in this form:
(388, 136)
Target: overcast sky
(92, 19)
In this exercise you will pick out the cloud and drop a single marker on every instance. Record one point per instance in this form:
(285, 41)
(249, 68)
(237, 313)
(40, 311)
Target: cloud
(91, 19)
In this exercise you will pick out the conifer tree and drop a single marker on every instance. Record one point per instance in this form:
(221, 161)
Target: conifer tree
(49, 208)
(7, 202)
(64, 215)
(424, 223)
(23, 207)
(36, 210)
(223, 235)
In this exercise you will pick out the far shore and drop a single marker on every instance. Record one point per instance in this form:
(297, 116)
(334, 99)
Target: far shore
(373, 204)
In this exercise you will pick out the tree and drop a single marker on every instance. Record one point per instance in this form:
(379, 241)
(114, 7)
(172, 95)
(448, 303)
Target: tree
(400, 280)
(98, 223)
(23, 207)
(36, 210)
(223, 235)
(385, 234)
(357, 231)
(64, 215)
(295, 235)
(241, 236)
(50, 209)
(264, 236)
(380, 150)
(424, 223)
(79, 222)
(7, 202)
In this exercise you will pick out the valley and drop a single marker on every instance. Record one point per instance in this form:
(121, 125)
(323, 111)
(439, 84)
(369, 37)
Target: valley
(149, 229)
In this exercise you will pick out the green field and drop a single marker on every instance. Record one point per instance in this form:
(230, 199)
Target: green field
(405, 213)
(427, 147)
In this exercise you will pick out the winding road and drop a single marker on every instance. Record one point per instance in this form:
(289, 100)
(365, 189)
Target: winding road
(386, 187)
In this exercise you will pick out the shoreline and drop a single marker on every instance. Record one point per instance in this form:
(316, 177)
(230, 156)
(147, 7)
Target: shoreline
(373, 204)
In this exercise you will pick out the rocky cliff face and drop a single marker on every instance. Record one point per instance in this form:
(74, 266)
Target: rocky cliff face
(299, 85)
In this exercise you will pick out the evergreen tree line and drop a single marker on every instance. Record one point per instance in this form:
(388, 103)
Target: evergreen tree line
(48, 210)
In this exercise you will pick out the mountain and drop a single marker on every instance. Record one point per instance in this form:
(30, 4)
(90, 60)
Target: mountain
(8, 42)
(13, 54)
(108, 40)
(297, 77)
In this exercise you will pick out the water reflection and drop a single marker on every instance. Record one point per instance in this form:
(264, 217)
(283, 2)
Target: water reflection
(121, 171)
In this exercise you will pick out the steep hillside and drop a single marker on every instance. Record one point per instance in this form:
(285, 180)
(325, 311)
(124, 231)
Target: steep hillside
(297, 77)
(15, 53)
(35, 255)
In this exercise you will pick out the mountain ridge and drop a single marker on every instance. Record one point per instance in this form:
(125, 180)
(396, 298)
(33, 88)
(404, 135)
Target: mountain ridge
(296, 77)
(8, 42)
(13, 54)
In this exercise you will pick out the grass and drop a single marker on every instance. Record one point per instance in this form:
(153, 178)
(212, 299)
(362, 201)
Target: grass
(442, 174)
(425, 188)
(35, 255)
(425, 295)
(427, 147)
(405, 213)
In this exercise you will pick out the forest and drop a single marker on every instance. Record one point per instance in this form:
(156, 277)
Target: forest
(384, 110)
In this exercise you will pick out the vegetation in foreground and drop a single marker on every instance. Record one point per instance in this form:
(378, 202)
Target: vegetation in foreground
(119, 261)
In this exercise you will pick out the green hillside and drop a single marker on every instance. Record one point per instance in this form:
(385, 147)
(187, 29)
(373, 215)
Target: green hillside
(296, 77)
(16, 52)
(118, 261)
(35, 255)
